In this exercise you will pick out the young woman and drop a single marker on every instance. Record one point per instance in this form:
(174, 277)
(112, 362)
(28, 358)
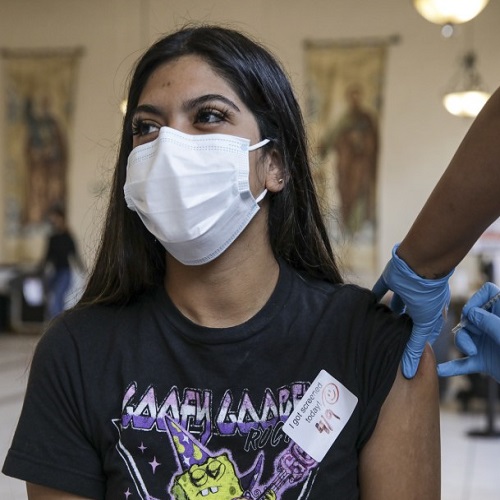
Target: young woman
(216, 352)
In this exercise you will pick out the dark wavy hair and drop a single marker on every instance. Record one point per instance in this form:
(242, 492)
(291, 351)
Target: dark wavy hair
(129, 259)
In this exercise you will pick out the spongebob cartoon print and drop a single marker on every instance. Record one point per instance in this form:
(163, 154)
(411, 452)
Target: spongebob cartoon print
(180, 429)
(203, 475)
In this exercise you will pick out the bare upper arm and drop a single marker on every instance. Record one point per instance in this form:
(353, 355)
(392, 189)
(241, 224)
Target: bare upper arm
(402, 459)
(37, 492)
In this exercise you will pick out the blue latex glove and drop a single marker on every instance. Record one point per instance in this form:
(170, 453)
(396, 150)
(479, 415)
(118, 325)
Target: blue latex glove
(425, 300)
(479, 339)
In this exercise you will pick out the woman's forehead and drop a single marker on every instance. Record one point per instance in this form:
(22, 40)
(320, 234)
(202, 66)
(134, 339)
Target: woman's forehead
(186, 76)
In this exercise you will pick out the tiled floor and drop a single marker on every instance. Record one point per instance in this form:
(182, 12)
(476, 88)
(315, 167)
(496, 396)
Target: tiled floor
(470, 466)
(15, 354)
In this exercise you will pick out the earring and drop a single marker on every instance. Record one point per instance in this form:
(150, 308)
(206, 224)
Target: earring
(280, 181)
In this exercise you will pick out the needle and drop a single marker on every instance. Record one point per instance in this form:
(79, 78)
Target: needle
(486, 306)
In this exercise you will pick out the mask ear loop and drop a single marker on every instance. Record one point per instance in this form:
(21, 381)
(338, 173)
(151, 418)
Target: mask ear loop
(261, 196)
(253, 148)
(259, 145)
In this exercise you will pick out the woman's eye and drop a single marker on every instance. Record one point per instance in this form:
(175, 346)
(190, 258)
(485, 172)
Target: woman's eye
(210, 116)
(142, 128)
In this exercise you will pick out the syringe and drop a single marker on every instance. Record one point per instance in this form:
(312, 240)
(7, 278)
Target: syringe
(486, 306)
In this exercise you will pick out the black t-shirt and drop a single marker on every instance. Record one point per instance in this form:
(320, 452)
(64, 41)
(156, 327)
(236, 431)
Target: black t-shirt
(139, 402)
(60, 248)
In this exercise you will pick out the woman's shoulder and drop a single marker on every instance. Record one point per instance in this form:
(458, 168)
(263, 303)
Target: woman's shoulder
(344, 300)
(96, 321)
(342, 291)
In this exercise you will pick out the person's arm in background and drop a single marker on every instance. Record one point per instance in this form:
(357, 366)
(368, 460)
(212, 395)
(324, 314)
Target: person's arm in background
(465, 201)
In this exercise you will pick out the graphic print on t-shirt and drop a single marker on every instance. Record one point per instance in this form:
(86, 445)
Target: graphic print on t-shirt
(181, 429)
(184, 450)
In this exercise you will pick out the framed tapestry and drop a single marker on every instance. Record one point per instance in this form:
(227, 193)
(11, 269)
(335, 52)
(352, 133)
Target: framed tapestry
(345, 84)
(39, 103)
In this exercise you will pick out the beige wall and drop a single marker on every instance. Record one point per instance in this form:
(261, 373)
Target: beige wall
(419, 136)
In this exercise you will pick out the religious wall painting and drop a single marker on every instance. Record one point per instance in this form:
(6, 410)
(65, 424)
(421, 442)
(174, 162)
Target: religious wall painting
(39, 94)
(345, 83)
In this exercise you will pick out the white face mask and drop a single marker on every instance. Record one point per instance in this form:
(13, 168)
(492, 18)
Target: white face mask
(192, 192)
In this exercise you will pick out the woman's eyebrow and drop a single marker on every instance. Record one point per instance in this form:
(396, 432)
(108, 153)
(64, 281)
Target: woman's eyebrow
(197, 101)
(187, 105)
(148, 108)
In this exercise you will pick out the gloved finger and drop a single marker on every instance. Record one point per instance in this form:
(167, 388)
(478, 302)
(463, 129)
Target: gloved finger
(416, 344)
(461, 366)
(413, 353)
(380, 288)
(486, 322)
(435, 330)
(473, 329)
(410, 363)
(465, 343)
(397, 304)
(485, 293)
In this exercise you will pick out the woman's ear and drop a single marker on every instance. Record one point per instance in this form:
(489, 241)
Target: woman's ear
(275, 177)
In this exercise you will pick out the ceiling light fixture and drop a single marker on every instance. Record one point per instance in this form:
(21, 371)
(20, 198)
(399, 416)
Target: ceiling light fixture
(449, 11)
(467, 94)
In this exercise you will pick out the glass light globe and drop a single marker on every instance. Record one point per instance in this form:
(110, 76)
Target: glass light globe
(467, 103)
(449, 11)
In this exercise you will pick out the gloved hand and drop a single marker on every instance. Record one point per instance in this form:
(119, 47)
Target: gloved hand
(479, 339)
(425, 300)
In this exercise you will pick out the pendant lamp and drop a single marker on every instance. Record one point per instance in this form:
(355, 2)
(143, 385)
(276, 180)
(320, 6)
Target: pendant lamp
(449, 12)
(466, 94)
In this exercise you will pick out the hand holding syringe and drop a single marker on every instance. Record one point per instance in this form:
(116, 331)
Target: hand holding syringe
(477, 336)
(487, 306)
